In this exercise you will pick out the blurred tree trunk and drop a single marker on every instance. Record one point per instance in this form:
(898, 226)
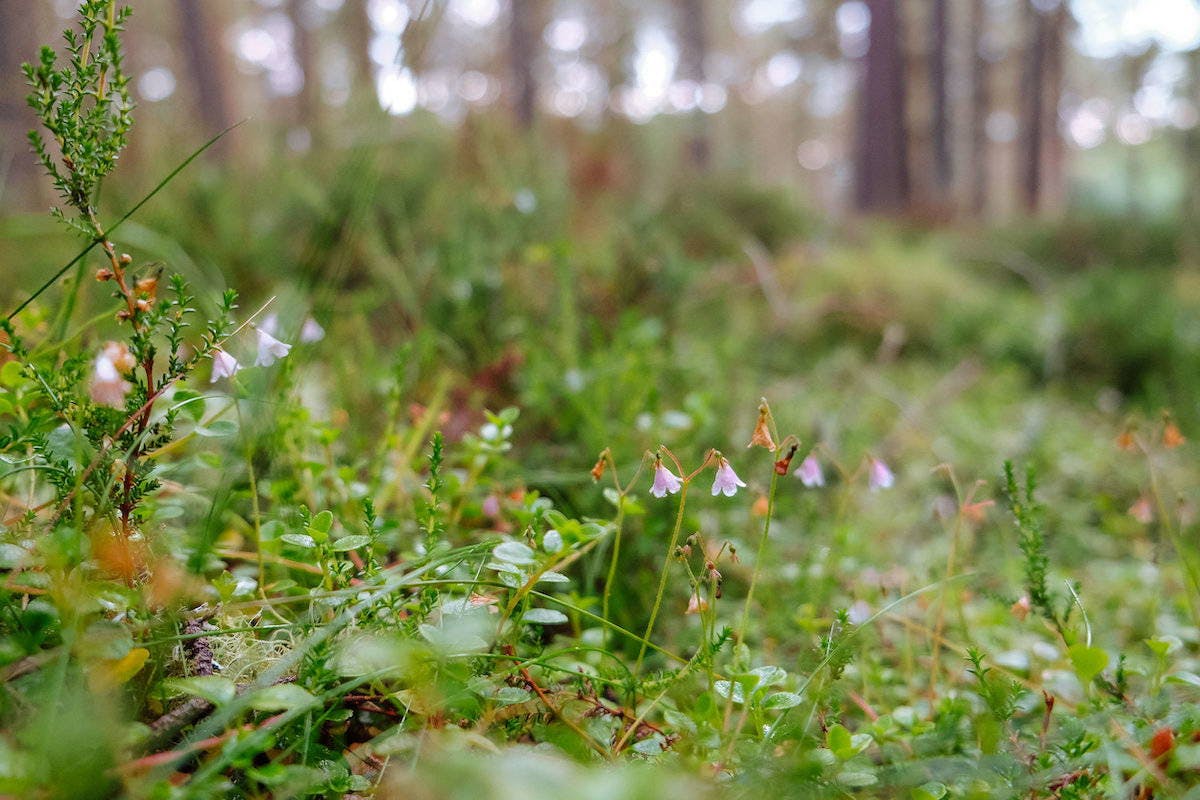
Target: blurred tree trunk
(522, 45)
(304, 46)
(357, 24)
(881, 163)
(1189, 250)
(19, 184)
(1134, 70)
(1054, 182)
(1033, 93)
(201, 41)
(981, 102)
(693, 53)
(939, 36)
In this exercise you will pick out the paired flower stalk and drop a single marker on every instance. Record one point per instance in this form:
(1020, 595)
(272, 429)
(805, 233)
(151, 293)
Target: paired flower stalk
(667, 481)
(109, 385)
(725, 482)
(270, 349)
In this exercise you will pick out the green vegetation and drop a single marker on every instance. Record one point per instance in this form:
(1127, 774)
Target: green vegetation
(429, 545)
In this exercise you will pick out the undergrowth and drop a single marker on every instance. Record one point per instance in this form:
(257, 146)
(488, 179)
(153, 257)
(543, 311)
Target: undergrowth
(329, 574)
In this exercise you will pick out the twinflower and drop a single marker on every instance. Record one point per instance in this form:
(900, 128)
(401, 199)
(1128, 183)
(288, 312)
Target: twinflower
(665, 481)
(726, 481)
(224, 365)
(269, 349)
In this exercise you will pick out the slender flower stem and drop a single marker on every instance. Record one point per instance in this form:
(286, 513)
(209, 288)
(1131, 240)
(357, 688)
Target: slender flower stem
(758, 558)
(618, 525)
(606, 460)
(662, 581)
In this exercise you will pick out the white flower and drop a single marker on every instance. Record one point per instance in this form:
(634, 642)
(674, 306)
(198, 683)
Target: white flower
(726, 481)
(665, 481)
(108, 387)
(224, 365)
(270, 323)
(810, 473)
(879, 476)
(311, 331)
(269, 349)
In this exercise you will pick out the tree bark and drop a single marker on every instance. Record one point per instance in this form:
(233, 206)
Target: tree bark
(357, 25)
(981, 101)
(1054, 182)
(201, 42)
(522, 43)
(693, 53)
(939, 35)
(308, 102)
(19, 43)
(881, 164)
(1033, 91)
(1189, 247)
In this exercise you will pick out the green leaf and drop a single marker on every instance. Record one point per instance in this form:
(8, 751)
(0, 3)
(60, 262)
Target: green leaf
(1186, 678)
(782, 700)
(930, 791)
(679, 720)
(553, 577)
(106, 639)
(218, 429)
(281, 697)
(513, 553)
(857, 779)
(513, 694)
(1163, 646)
(837, 739)
(769, 676)
(722, 688)
(322, 522)
(213, 688)
(1088, 661)
(299, 540)
(190, 402)
(351, 542)
(544, 616)
(12, 374)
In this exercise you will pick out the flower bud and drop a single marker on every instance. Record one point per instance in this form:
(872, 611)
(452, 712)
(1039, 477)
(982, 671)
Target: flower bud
(104, 274)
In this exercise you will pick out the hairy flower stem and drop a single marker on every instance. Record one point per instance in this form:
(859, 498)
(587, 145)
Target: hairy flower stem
(758, 558)
(662, 581)
(618, 525)
(740, 636)
(1181, 548)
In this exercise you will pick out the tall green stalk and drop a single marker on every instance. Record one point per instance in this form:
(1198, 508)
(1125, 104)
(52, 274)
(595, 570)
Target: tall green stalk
(662, 581)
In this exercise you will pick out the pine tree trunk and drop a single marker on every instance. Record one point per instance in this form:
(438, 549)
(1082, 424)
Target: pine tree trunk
(522, 44)
(308, 102)
(981, 101)
(1033, 92)
(201, 41)
(1054, 181)
(1190, 144)
(357, 25)
(18, 169)
(881, 163)
(939, 35)
(693, 52)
